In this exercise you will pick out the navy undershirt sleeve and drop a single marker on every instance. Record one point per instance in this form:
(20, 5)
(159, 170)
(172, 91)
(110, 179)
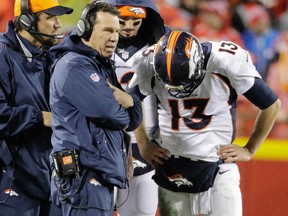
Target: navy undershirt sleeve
(260, 94)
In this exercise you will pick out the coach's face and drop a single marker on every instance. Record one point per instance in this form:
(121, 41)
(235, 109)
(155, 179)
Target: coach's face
(105, 34)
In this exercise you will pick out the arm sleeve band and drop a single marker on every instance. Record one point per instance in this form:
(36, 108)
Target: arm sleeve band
(260, 94)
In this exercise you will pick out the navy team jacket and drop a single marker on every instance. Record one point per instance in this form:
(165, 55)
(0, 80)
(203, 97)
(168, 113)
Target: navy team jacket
(86, 116)
(23, 95)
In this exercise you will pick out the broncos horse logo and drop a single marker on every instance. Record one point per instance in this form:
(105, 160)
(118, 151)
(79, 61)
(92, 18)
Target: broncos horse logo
(138, 164)
(11, 192)
(137, 10)
(179, 180)
(94, 182)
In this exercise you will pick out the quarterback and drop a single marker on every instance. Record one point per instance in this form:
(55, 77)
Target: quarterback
(197, 86)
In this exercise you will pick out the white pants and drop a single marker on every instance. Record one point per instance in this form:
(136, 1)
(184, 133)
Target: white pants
(223, 199)
(142, 197)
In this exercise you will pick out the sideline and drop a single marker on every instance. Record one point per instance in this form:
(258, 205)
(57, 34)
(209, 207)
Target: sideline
(271, 149)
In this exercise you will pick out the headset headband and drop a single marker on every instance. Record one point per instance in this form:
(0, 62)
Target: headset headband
(24, 6)
(84, 26)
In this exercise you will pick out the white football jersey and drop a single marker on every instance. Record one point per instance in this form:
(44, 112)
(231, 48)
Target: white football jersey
(124, 74)
(195, 127)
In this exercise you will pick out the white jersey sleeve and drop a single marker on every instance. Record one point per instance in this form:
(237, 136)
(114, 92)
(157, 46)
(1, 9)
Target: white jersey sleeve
(144, 72)
(233, 62)
(125, 71)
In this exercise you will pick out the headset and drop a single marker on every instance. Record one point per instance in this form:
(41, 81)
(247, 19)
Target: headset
(27, 19)
(84, 26)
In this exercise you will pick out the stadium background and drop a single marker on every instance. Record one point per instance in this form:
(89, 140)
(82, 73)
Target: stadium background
(264, 180)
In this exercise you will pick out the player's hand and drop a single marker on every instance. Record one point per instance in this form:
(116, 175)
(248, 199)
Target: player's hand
(154, 154)
(123, 98)
(233, 153)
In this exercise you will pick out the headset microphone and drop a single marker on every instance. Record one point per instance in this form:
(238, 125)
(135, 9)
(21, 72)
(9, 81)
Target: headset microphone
(55, 36)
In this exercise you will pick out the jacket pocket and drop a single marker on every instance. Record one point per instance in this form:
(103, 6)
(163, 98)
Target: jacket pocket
(87, 191)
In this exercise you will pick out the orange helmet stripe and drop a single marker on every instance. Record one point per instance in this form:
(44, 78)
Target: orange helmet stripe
(171, 43)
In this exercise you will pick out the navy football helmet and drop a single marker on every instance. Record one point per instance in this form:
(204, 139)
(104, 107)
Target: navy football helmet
(179, 63)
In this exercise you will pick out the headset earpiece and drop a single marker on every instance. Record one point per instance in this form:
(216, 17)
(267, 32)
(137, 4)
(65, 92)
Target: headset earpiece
(84, 26)
(26, 18)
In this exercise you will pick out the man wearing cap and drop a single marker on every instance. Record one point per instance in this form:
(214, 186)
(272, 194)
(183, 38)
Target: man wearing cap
(25, 123)
(140, 26)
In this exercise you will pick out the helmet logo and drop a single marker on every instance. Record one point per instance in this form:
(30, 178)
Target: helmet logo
(196, 57)
(188, 47)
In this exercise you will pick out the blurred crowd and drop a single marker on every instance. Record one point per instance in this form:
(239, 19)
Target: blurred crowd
(260, 26)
